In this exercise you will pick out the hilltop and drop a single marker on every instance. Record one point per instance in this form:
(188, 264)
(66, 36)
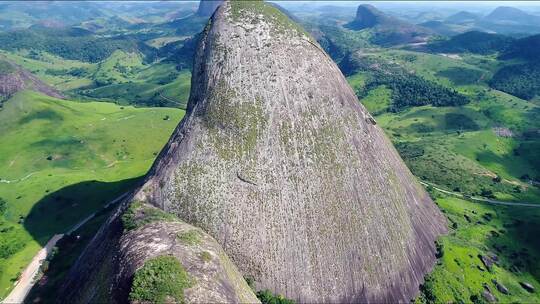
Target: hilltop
(278, 161)
(474, 42)
(207, 7)
(462, 17)
(512, 15)
(386, 30)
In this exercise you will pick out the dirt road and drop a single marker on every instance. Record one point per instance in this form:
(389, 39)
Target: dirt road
(26, 281)
(481, 199)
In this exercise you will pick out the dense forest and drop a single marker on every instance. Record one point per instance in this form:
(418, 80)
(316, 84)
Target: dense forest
(472, 42)
(180, 52)
(521, 80)
(72, 44)
(412, 90)
(407, 88)
(524, 48)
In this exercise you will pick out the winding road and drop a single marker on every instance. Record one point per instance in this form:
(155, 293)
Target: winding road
(480, 199)
(26, 280)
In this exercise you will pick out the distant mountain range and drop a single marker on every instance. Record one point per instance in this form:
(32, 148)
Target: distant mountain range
(387, 30)
(506, 14)
(462, 18)
(502, 20)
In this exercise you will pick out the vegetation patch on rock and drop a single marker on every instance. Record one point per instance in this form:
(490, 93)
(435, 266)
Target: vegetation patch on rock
(138, 214)
(258, 10)
(191, 237)
(161, 280)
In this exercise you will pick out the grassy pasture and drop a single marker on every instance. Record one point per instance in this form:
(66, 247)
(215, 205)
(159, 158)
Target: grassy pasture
(122, 77)
(485, 230)
(61, 160)
(458, 149)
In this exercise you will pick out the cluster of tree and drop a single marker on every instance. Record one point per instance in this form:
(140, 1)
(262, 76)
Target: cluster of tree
(407, 88)
(77, 72)
(521, 80)
(524, 48)
(10, 242)
(412, 90)
(267, 297)
(71, 45)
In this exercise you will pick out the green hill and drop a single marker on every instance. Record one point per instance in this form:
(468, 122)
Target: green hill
(473, 42)
(521, 79)
(462, 17)
(75, 44)
(488, 147)
(512, 15)
(524, 48)
(61, 160)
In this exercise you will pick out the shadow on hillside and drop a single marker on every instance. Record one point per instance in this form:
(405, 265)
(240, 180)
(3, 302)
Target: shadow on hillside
(61, 210)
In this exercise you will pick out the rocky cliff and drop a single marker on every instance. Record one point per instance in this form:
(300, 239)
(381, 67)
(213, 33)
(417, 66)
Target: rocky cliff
(208, 7)
(149, 256)
(278, 161)
(13, 79)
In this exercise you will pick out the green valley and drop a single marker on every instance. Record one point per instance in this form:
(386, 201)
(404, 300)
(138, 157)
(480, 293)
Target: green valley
(62, 160)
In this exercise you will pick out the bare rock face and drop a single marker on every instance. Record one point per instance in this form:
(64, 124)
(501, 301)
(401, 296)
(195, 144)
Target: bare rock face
(280, 163)
(106, 270)
(385, 29)
(368, 16)
(208, 7)
(13, 79)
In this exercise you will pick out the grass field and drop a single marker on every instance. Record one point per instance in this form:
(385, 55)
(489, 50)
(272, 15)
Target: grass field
(488, 147)
(159, 84)
(505, 234)
(122, 77)
(462, 147)
(61, 160)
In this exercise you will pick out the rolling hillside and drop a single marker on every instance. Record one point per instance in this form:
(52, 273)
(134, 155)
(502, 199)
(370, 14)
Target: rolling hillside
(488, 147)
(61, 160)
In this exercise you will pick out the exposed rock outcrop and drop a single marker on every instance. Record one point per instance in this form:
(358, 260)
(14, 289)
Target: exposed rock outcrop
(387, 30)
(14, 78)
(144, 233)
(368, 16)
(527, 286)
(208, 7)
(279, 162)
(500, 287)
